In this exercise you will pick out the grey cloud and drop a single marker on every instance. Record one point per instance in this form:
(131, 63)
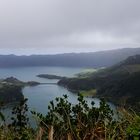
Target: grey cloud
(55, 26)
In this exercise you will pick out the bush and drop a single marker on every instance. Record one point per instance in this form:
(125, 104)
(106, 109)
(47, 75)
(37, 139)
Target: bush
(79, 121)
(65, 121)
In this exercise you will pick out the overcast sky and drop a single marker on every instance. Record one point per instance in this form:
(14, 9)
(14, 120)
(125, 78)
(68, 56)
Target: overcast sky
(58, 26)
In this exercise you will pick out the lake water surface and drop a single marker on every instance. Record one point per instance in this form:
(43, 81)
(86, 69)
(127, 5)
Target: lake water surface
(40, 96)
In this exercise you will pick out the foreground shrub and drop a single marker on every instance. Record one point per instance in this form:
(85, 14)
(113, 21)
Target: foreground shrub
(81, 122)
(19, 128)
(65, 121)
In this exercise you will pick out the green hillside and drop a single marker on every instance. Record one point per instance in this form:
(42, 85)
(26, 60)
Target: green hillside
(119, 83)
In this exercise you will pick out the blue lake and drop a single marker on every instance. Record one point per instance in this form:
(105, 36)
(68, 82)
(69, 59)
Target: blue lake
(40, 96)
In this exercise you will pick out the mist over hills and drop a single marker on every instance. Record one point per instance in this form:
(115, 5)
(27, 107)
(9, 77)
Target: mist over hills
(91, 59)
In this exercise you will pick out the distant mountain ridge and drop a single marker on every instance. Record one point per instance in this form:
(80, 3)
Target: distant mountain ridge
(92, 59)
(132, 60)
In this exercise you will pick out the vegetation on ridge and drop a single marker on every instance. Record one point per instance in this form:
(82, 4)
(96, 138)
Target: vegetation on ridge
(50, 76)
(119, 83)
(10, 93)
(11, 89)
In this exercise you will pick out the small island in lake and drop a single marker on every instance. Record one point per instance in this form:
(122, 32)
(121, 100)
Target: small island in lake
(50, 76)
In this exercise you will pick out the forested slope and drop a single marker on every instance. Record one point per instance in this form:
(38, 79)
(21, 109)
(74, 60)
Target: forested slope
(119, 83)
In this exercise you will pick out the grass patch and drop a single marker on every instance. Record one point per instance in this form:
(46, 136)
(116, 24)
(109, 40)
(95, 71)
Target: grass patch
(88, 92)
(86, 73)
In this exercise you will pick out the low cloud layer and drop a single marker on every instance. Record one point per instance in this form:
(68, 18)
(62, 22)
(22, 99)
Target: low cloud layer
(58, 26)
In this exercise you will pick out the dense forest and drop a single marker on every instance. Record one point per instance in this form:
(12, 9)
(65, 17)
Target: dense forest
(119, 83)
(11, 89)
(10, 93)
